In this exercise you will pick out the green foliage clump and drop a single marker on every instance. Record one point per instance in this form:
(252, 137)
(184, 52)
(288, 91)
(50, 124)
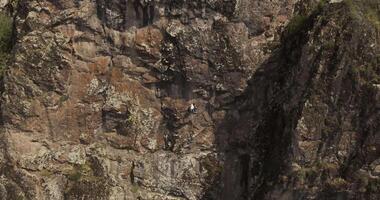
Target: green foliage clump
(320, 5)
(131, 119)
(20, 197)
(307, 174)
(373, 16)
(63, 98)
(5, 39)
(5, 32)
(85, 184)
(80, 172)
(373, 186)
(367, 10)
(337, 183)
(46, 173)
(134, 189)
(296, 24)
(366, 73)
(75, 176)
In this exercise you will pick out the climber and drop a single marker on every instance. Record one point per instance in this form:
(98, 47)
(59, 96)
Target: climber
(192, 108)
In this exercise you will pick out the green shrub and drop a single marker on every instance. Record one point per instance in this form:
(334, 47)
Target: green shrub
(134, 189)
(373, 186)
(367, 10)
(5, 39)
(337, 183)
(81, 172)
(63, 98)
(296, 24)
(3, 61)
(5, 32)
(75, 176)
(366, 73)
(320, 5)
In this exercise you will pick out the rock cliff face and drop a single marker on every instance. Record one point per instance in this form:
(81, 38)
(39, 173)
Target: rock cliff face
(95, 104)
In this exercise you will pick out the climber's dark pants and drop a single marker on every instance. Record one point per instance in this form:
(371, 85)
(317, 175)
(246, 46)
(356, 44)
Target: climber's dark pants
(148, 14)
(151, 13)
(145, 15)
(136, 6)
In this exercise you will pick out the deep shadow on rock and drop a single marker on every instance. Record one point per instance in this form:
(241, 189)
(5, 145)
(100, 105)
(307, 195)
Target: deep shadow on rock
(264, 148)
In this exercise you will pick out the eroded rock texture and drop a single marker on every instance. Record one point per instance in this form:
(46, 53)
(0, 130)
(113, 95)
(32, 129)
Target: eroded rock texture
(95, 102)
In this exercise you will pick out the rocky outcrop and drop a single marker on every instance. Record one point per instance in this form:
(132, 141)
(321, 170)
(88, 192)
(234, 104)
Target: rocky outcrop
(309, 120)
(95, 103)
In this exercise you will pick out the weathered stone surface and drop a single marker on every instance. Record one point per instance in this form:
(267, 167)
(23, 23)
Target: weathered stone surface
(95, 105)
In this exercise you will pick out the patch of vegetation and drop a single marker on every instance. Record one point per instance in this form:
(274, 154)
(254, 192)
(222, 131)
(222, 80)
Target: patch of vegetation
(134, 189)
(14, 3)
(367, 73)
(88, 189)
(75, 176)
(79, 172)
(365, 9)
(321, 4)
(20, 197)
(132, 119)
(316, 171)
(363, 182)
(326, 166)
(63, 98)
(296, 24)
(373, 186)
(85, 184)
(337, 183)
(213, 168)
(46, 173)
(330, 44)
(373, 16)
(4, 57)
(5, 39)
(5, 32)
(307, 173)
